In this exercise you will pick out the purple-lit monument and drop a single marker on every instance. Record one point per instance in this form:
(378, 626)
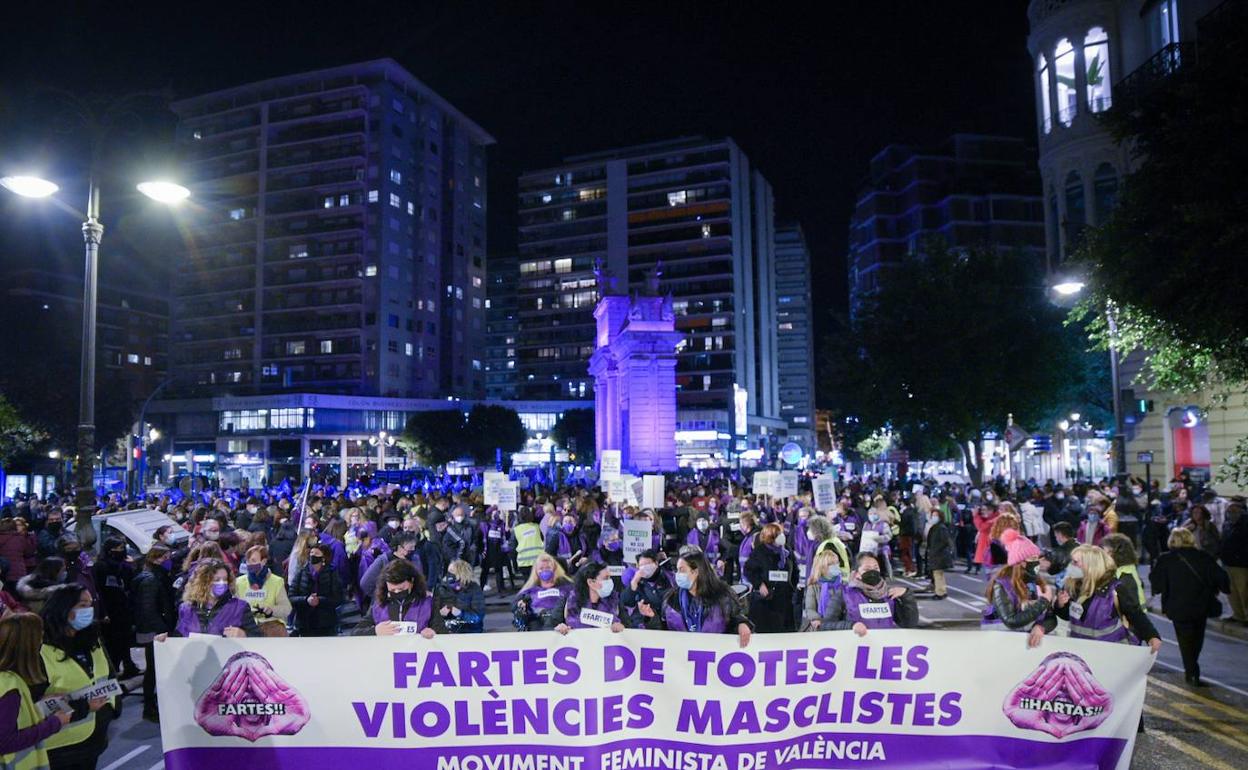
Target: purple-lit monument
(634, 371)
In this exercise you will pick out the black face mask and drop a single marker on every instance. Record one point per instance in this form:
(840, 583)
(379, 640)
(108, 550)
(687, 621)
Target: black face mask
(54, 527)
(316, 560)
(1029, 570)
(872, 577)
(400, 596)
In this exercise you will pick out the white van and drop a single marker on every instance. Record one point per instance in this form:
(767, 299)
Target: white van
(137, 527)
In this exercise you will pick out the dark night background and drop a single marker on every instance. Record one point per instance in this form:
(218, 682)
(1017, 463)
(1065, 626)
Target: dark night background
(810, 94)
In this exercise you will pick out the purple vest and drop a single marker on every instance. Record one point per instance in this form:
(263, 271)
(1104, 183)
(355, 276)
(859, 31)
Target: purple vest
(540, 603)
(1099, 619)
(854, 602)
(713, 620)
(709, 543)
(572, 615)
(416, 612)
(229, 614)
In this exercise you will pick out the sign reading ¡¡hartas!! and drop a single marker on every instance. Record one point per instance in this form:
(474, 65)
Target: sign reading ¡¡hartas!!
(597, 700)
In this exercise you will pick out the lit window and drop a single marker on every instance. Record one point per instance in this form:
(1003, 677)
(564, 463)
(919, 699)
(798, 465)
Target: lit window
(237, 214)
(197, 134)
(547, 198)
(370, 270)
(1096, 60)
(394, 201)
(396, 177)
(295, 348)
(476, 281)
(706, 382)
(328, 202)
(147, 360)
(459, 293)
(372, 196)
(568, 215)
(678, 198)
(1067, 95)
(132, 358)
(563, 265)
(407, 348)
(786, 327)
(327, 346)
(298, 251)
(1046, 116)
(411, 208)
(706, 231)
(476, 181)
(476, 364)
(511, 364)
(476, 302)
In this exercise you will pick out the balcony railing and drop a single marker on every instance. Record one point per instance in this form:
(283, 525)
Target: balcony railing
(1165, 62)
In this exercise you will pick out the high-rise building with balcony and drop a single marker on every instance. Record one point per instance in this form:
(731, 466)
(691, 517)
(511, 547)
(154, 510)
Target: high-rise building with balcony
(339, 242)
(501, 327)
(695, 210)
(973, 191)
(795, 353)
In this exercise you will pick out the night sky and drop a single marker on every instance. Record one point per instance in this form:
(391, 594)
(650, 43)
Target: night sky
(810, 97)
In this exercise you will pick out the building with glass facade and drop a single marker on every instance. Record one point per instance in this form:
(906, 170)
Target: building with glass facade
(501, 326)
(795, 354)
(694, 210)
(340, 243)
(973, 191)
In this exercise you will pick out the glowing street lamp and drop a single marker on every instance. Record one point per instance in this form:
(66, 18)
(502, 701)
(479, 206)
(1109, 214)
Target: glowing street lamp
(164, 192)
(29, 186)
(1069, 288)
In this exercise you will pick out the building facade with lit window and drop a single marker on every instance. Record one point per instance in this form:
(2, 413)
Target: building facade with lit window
(698, 212)
(1089, 56)
(339, 241)
(972, 191)
(795, 345)
(501, 327)
(254, 440)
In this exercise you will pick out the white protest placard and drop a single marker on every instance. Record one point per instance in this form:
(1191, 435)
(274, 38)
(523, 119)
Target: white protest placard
(106, 688)
(825, 493)
(652, 492)
(596, 619)
(490, 486)
(787, 486)
(508, 496)
(635, 488)
(765, 483)
(609, 464)
(637, 538)
(404, 628)
(616, 489)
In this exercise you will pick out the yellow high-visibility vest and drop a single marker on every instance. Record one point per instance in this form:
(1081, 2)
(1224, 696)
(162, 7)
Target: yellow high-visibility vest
(66, 676)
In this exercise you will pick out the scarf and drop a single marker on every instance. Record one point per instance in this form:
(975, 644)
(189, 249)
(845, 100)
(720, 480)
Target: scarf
(691, 611)
(876, 593)
(826, 587)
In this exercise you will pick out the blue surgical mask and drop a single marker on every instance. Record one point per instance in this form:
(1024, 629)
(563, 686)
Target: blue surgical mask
(83, 617)
(832, 575)
(684, 580)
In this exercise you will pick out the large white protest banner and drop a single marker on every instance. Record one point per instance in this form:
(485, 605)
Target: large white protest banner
(637, 537)
(824, 488)
(594, 700)
(609, 465)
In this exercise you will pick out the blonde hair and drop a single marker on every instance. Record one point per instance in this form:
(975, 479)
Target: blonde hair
(1181, 537)
(303, 544)
(461, 570)
(1098, 569)
(545, 558)
(1007, 509)
(198, 589)
(822, 559)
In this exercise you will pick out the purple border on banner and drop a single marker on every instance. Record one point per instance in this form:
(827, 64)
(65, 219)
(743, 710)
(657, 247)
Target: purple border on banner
(960, 752)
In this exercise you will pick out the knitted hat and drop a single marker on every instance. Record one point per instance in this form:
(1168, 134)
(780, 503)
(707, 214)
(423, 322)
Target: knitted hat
(1019, 548)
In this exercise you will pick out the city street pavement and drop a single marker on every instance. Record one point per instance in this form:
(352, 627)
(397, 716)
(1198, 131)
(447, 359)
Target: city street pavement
(1184, 727)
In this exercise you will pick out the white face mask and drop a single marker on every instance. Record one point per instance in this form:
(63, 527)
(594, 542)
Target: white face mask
(703, 525)
(780, 540)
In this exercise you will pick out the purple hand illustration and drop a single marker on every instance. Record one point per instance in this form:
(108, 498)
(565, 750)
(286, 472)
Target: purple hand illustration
(1060, 698)
(249, 700)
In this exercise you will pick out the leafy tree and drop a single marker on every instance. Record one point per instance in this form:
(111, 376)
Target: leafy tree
(493, 427)
(17, 436)
(436, 437)
(576, 428)
(951, 343)
(871, 447)
(1170, 258)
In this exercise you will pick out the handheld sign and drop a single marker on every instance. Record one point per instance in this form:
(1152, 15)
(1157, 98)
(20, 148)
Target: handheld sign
(406, 629)
(609, 464)
(105, 688)
(652, 492)
(596, 619)
(493, 480)
(825, 493)
(508, 493)
(635, 488)
(765, 483)
(637, 538)
(788, 484)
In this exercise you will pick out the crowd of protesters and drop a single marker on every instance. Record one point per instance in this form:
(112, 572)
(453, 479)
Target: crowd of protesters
(390, 561)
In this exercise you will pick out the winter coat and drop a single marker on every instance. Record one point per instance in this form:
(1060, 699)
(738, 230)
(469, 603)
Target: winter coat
(1188, 580)
(327, 585)
(283, 542)
(114, 579)
(983, 524)
(470, 600)
(21, 551)
(1235, 543)
(774, 612)
(34, 593)
(832, 617)
(940, 547)
(227, 612)
(153, 604)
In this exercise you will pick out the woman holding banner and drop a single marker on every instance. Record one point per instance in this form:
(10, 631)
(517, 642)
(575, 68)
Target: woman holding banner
(209, 607)
(540, 603)
(593, 602)
(402, 605)
(22, 729)
(74, 659)
(824, 605)
(316, 594)
(460, 600)
(265, 592)
(771, 571)
(1100, 606)
(700, 603)
(644, 584)
(1018, 598)
(870, 602)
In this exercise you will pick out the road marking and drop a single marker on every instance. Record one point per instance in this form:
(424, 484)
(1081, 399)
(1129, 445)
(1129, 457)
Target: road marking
(116, 763)
(958, 602)
(158, 766)
(1213, 727)
(1174, 743)
(1197, 696)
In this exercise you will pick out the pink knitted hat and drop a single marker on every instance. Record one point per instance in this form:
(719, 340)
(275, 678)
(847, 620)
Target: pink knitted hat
(1019, 548)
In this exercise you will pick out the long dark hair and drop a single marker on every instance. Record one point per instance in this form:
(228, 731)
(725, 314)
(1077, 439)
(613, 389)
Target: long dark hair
(400, 571)
(56, 628)
(708, 586)
(583, 576)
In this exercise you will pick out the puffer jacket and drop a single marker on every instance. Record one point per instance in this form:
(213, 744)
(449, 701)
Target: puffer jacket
(33, 594)
(21, 552)
(152, 602)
